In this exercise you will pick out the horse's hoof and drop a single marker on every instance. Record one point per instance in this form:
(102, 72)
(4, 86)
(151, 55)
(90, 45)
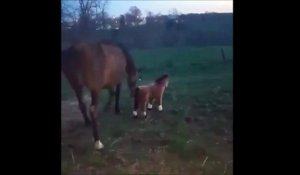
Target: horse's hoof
(98, 145)
(149, 106)
(160, 108)
(145, 114)
(135, 114)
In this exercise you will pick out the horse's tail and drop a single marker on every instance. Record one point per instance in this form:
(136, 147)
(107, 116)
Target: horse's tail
(136, 97)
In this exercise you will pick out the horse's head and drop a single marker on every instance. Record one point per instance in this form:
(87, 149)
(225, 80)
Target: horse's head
(132, 72)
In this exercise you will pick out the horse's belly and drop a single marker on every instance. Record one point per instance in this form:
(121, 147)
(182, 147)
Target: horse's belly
(115, 70)
(114, 78)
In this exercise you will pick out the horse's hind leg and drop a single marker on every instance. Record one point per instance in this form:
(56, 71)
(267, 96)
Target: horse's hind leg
(111, 93)
(82, 105)
(93, 113)
(117, 102)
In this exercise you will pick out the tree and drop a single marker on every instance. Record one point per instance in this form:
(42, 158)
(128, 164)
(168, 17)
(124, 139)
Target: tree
(85, 10)
(68, 13)
(69, 19)
(150, 17)
(173, 13)
(122, 21)
(101, 15)
(134, 16)
(88, 11)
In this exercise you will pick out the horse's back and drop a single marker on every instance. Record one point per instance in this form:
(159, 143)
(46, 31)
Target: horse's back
(98, 65)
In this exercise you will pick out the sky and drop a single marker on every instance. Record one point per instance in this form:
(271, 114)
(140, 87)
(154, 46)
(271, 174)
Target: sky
(117, 7)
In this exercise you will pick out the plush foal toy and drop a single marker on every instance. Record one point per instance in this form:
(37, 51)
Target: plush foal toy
(147, 94)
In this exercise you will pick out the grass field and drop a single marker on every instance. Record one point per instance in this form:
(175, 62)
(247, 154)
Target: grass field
(193, 135)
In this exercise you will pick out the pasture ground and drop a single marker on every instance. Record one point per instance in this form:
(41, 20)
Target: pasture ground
(193, 135)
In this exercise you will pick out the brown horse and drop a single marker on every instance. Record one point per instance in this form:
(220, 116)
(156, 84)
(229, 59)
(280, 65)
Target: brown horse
(98, 66)
(147, 94)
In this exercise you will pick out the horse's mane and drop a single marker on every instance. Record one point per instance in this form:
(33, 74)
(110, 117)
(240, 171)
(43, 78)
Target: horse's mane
(161, 78)
(130, 66)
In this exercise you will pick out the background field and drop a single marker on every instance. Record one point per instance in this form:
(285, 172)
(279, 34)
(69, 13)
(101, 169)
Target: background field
(193, 135)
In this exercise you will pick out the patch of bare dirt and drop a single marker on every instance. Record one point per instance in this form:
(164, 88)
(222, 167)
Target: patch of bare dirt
(71, 118)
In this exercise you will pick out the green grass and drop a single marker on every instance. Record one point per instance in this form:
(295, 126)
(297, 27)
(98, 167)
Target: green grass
(200, 90)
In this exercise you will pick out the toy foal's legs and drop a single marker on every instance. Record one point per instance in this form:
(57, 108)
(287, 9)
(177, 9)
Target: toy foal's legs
(160, 108)
(135, 110)
(149, 106)
(145, 108)
(136, 103)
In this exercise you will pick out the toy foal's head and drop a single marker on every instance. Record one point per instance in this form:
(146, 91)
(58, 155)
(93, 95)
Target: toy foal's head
(163, 80)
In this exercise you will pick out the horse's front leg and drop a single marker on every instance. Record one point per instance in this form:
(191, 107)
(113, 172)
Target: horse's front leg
(93, 113)
(81, 104)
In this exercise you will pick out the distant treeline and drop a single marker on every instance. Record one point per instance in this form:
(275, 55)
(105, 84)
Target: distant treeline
(160, 31)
